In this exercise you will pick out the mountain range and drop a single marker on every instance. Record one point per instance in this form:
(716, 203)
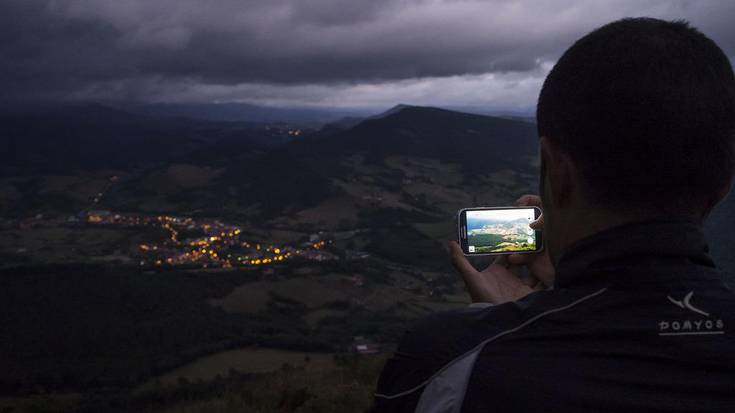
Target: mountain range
(243, 112)
(406, 170)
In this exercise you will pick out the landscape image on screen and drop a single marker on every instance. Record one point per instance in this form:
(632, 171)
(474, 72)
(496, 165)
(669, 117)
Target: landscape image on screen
(502, 230)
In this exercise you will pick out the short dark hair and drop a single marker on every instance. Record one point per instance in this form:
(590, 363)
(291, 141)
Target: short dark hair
(646, 109)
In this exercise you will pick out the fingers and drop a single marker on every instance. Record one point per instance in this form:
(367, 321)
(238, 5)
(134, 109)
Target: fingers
(538, 223)
(501, 284)
(515, 263)
(528, 200)
(542, 268)
(531, 282)
(498, 283)
(532, 200)
(501, 260)
(538, 264)
(473, 279)
(504, 262)
(520, 259)
(539, 286)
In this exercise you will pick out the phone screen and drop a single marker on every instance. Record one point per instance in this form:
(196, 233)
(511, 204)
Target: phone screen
(498, 230)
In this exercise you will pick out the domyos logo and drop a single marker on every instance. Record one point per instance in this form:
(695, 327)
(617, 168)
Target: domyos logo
(702, 324)
(686, 303)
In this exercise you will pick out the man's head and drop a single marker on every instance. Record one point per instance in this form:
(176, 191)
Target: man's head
(636, 118)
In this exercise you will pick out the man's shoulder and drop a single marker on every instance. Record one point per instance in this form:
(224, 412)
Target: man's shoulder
(438, 339)
(439, 349)
(449, 334)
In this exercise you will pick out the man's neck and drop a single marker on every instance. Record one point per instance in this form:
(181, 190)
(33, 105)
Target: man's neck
(588, 222)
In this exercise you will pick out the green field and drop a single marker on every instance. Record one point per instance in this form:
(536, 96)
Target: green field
(244, 360)
(508, 247)
(485, 243)
(54, 245)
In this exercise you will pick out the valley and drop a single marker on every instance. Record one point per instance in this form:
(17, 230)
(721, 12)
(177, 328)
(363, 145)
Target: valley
(199, 245)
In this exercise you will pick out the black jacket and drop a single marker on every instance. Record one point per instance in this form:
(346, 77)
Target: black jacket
(639, 319)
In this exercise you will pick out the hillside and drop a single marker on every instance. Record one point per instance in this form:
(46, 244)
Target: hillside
(425, 161)
(57, 158)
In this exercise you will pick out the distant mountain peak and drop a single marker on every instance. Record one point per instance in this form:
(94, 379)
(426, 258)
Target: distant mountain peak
(395, 109)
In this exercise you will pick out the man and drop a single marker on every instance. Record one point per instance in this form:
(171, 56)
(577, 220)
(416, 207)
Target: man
(637, 144)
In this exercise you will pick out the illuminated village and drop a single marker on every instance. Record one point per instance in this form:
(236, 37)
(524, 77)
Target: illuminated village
(217, 245)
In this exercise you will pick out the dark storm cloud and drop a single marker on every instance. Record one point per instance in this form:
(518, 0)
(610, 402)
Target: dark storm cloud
(139, 49)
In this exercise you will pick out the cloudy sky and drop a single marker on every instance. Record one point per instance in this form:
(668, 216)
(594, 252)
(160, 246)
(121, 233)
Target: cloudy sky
(492, 54)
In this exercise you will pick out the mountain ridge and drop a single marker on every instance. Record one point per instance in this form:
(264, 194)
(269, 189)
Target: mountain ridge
(391, 155)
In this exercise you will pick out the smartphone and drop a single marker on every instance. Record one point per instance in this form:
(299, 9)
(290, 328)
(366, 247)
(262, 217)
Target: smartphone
(498, 230)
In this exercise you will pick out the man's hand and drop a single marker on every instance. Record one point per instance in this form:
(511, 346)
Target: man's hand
(500, 281)
(496, 284)
(539, 265)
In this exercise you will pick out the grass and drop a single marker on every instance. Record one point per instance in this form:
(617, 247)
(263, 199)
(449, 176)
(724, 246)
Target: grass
(62, 244)
(341, 383)
(244, 360)
(313, 292)
(331, 214)
(346, 387)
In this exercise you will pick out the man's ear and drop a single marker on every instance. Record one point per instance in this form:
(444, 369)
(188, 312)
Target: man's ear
(560, 179)
(719, 197)
(725, 191)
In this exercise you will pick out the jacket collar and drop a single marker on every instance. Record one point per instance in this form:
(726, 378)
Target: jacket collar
(673, 239)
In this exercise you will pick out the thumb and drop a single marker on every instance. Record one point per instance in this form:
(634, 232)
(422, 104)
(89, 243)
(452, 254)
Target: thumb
(459, 260)
(538, 223)
(472, 278)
